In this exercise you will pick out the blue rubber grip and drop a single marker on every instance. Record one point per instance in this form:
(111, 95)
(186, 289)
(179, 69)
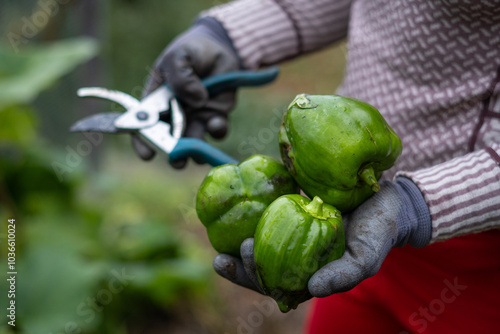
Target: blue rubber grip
(226, 81)
(202, 151)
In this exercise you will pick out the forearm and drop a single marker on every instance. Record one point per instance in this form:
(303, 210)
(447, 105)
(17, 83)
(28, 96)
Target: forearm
(463, 194)
(268, 31)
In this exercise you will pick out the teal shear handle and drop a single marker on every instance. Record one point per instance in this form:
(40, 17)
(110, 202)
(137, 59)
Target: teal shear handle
(197, 148)
(231, 80)
(201, 151)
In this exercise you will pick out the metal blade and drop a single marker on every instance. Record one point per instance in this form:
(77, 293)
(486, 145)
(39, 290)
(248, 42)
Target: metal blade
(103, 122)
(147, 112)
(126, 100)
(158, 100)
(159, 135)
(178, 120)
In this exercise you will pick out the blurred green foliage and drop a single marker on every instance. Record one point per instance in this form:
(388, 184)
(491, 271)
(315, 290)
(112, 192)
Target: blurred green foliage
(23, 75)
(139, 31)
(113, 245)
(75, 255)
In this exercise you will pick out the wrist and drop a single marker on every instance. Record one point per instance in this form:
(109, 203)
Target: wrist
(414, 220)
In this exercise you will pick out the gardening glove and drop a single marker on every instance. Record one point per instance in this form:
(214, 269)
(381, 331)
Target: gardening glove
(202, 51)
(239, 271)
(394, 216)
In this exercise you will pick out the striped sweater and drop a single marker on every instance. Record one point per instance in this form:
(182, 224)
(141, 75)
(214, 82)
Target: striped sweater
(432, 68)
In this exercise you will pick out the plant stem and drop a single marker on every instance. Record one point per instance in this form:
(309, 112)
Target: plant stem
(315, 207)
(367, 174)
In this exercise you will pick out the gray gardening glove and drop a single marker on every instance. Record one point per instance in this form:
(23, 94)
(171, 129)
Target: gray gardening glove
(203, 50)
(239, 271)
(395, 216)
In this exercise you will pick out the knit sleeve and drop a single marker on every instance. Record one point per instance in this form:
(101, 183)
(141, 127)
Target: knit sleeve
(267, 31)
(463, 194)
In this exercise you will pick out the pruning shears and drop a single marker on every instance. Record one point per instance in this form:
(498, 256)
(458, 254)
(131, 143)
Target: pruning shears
(159, 117)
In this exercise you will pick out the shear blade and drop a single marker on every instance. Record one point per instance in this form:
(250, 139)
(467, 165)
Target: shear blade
(103, 122)
(126, 100)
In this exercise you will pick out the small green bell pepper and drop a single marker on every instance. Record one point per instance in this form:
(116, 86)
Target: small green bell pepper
(294, 238)
(232, 198)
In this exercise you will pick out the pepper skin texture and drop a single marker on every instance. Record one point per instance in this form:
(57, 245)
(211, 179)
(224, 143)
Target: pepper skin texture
(232, 198)
(294, 238)
(337, 148)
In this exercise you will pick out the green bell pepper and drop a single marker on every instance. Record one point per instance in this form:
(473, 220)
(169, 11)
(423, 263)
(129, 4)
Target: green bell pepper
(232, 198)
(337, 147)
(294, 238)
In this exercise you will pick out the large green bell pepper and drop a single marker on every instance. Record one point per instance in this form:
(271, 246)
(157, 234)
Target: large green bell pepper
(337, 147)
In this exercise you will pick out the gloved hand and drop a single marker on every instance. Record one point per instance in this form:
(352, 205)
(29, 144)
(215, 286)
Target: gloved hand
(395, 216)
(203, 50)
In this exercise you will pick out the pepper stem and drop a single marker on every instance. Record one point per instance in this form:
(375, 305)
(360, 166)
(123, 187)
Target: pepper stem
(315, 207)
(367, 174)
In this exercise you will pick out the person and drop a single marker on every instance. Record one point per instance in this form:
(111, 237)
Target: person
(422, 254)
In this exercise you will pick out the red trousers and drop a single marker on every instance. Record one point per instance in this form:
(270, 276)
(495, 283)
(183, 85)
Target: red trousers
(447, 287)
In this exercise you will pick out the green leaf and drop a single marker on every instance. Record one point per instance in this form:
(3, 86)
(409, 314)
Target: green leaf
(23, 75)
(166, 281)
(18, 125)
(146, 240)
(29, 178)
(57, 276)
(53, 284)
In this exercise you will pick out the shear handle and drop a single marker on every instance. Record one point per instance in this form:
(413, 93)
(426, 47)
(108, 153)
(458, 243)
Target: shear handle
(201, 150)
(231, 80)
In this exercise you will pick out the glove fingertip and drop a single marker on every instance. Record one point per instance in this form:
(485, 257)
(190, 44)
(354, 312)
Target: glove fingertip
(247, 257)
(225, 266)
(231, 268)
(179, 163)
(335, 277)
(317, 286)
(217, 127)
(143, 150)
(246, 250)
